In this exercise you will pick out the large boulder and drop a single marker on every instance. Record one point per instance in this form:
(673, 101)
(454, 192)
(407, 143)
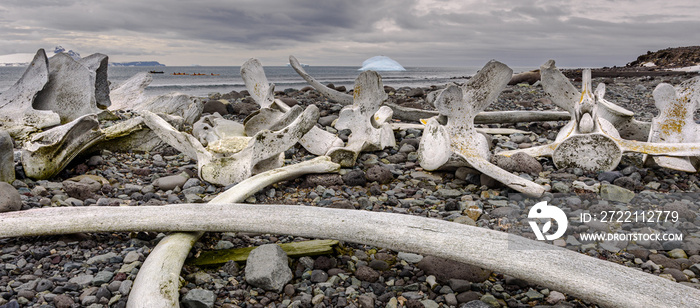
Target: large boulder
(10, 199)
(17, 115)
(7, 158)
(267, 268)
(75, 88)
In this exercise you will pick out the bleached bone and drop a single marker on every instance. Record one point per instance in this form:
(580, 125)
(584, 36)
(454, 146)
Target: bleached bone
(47, 153)
(211, 128)
(484, 117)
(235, 158)
(483, 130)
(591, 279)
(332, 95)
(675, 122)
(367, 121)
(589, 141)
(134, 135)
(413, 114)
(157, 283)
(130, 96)
(623, 120)
(75, 88)
(458, 136)
(316, 141)
(17, 116)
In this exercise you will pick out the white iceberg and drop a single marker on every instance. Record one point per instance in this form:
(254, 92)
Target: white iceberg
(381, 63)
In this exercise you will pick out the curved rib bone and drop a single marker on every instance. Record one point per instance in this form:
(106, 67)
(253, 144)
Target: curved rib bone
(591, 279)
(333, 95)
(316, 140)
(157, 283)
(459, 137)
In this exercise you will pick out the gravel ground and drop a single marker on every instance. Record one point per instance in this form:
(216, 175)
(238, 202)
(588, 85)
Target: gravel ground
(97, 269)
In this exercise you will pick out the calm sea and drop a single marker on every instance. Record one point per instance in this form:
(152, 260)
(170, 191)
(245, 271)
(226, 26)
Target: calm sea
(224, 79)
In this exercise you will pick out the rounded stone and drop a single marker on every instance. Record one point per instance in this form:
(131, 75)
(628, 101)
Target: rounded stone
(10, 200)
(379, 174)
(214, 106)
(592, 152)
(355, 178)
(366, 273)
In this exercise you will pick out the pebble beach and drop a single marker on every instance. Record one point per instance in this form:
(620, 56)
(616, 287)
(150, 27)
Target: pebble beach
(98, 269)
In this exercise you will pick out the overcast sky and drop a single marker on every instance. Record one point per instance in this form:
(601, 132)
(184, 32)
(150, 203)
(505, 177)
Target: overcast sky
(323, 32)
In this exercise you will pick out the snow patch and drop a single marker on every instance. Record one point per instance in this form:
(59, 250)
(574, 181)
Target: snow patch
(695, 68)
(648, 64)
(381, 63)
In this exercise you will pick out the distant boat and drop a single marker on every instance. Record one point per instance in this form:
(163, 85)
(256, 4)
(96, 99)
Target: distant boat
(195, 74)
(156, 72)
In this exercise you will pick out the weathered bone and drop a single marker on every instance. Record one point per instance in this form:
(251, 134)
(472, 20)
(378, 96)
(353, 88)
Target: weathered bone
(333, 95)
(235, 158)
(130, 96)
(316, 141)
(458, 136)
(47, 153)
(157, 282)
(134, 135)
(17, 115)
(591, 279)
(367, 121)
(483, 130)
(413, 114)
(675, 122)
(212, 128)
(75, 88)
(589, 141)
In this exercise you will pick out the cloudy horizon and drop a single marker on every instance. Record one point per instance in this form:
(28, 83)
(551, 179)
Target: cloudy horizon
(415, 33)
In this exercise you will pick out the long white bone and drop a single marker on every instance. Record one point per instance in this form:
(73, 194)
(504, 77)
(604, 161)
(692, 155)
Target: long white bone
(459, 137)
(234, 159)
(157, 283)
(591, 279)
(316, 140)
(366, 119)
(589, 141)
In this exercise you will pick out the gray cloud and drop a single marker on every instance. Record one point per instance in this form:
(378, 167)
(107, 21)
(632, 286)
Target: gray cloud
(415, 33)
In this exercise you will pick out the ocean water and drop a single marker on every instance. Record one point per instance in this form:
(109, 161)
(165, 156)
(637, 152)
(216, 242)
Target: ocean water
(224, 79)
